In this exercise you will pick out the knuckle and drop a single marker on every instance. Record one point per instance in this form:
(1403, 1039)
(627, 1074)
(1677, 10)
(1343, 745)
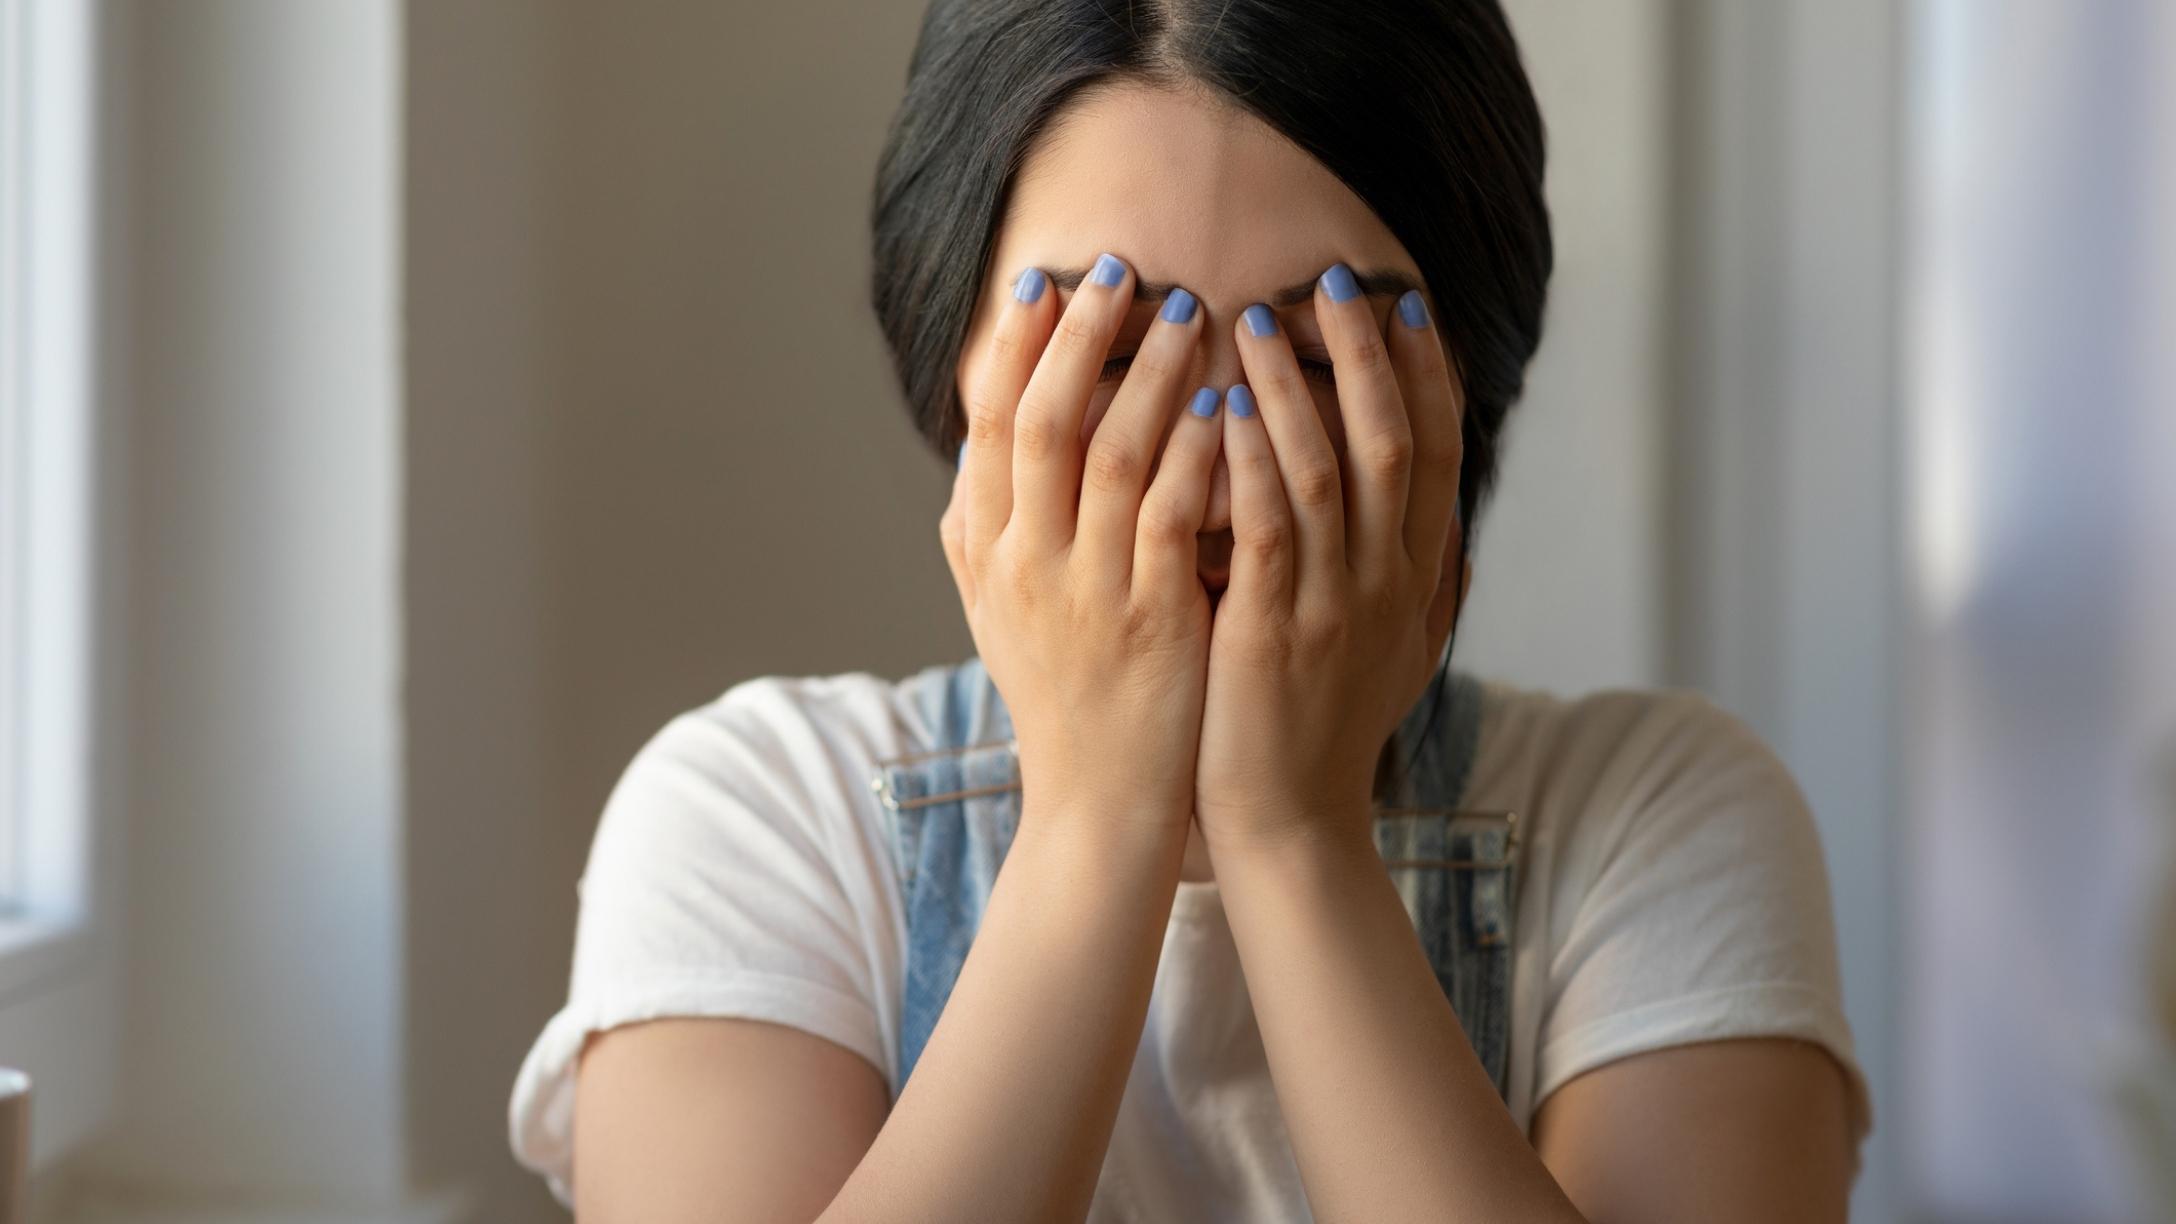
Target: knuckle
(1315, 483)
(1077, 336)
(1140, 621)
(1036, 435)
(1253, 466)
(1389, 458)
(1317, 630)
(1021, 583)
(1367, 356)
(1114, 467)
(1009, 344)
(987, 413)
(1378, 602)
(1287, 382)
(1269, 541)
(1442, 448)
(1154, 366)
(1162, 526)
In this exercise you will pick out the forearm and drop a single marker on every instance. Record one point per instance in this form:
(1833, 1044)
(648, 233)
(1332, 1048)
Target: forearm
(1390, 1114)
(1010, 1108)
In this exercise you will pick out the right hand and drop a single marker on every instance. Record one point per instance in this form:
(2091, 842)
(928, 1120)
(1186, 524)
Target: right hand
(1075, 561)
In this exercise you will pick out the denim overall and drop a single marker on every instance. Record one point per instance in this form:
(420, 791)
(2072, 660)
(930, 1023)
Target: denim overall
(953, 811)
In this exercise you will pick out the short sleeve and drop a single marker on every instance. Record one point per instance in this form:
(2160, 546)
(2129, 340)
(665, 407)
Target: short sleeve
(1693, 900)
(732, 874)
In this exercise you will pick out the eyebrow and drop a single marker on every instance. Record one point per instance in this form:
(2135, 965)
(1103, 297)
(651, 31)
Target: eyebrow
(1374, 282)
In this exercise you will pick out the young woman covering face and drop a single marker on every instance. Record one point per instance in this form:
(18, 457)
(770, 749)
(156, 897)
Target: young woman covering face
(1207, 889)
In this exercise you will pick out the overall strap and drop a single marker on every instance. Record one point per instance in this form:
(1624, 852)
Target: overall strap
(954, 809)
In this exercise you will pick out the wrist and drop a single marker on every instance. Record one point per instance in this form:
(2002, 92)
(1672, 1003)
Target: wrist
(1291, 836)
(1128, 799)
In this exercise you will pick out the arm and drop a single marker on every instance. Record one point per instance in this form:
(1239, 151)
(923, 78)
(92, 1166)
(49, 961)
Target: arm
(1007, 1115)
(1086, 607)
(1346, 579)
(1392, 1117)
(1010, 1109)
(1744, 1129)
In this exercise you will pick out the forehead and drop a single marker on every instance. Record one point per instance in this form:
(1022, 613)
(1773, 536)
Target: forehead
(1188, 188)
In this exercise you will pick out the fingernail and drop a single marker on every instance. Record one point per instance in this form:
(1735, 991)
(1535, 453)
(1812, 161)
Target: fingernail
(1412, 310)
(1338, 280)
(1204, 404)
(1241, 400)
(1030, 284)
(1108, 271)
(962, 459)
(1179, 307)
(1261, 320)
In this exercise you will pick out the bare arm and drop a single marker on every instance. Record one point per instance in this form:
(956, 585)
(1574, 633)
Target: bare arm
(1007, 1115)
(1752, 1128)
(1392, 1117)
(1086, 607)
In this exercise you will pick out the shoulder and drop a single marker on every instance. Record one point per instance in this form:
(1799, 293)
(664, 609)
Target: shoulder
(1597, 766)
(844, 715)
(1687, 897)
(776, 768)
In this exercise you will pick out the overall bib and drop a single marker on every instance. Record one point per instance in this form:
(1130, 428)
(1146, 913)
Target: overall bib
(953, 811)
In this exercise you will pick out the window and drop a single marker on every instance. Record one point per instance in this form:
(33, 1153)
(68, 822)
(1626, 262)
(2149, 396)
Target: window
(58, 969)
(11, 476)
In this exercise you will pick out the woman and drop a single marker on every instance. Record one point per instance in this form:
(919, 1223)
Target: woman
(1200, 892)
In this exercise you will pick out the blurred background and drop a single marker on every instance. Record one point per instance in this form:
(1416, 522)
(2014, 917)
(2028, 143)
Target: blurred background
(405, 408)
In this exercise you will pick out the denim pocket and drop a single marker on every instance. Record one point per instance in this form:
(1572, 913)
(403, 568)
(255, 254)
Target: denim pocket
(1456, 871)
(953, 814)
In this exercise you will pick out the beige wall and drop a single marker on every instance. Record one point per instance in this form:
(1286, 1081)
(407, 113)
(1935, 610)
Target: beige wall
(654, 447)
(641, 442)
(652, 450)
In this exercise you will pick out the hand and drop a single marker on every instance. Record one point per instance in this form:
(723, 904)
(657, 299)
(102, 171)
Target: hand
(1341, 598)
(1075, 562)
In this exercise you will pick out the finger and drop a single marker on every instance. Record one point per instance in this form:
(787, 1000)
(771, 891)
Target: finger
(1167, 541)
(1378, 438)
(1306, 464)
(1123, 449)
(1435, 404)
(1262, 560)
(1022, 328)
(1046, 450)
(952, 536)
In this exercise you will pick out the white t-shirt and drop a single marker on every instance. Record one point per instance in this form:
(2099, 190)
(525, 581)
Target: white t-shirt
(1672, 890)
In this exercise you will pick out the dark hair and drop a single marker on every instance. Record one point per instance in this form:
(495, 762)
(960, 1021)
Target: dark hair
(1421, 107)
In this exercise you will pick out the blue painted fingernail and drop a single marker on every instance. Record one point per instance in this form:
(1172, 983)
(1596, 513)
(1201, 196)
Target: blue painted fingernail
(1179, 307)
(1261, 320)
(1029, 285)
(1204, 404)
(1108, 271)
(1412, 310)
(1338, 280)
(962, 459)
(1241, 400)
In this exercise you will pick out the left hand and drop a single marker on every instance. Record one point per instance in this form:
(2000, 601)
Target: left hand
(1341, 594)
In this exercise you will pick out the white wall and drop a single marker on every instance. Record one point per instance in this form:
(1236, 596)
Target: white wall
(1570, 580)
(2044, 601)
(1784, 433)
(510, 386)
(262, 1044)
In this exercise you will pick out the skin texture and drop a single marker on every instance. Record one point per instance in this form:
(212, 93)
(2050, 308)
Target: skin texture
(1071, 541)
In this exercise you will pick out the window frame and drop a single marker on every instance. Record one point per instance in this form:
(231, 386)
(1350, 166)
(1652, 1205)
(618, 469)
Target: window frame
(59, 978)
